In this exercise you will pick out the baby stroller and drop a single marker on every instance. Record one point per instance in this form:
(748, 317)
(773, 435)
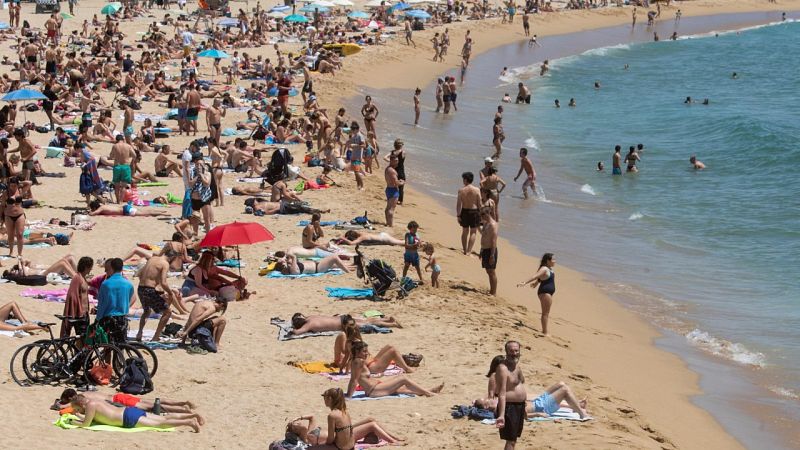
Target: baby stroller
(382, 277)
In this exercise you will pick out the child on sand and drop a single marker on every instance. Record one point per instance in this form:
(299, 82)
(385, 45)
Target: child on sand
(412, 244)
(432, 264)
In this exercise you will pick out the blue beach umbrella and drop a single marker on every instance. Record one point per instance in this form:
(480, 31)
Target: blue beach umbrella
(418, 14)
(213, 53)
(312, 8)
(399, 7)
(358, 15)
(22, 95)
(296, 18)
(4, 26)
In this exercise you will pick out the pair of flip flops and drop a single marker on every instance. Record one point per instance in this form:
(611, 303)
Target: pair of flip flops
(412, 359)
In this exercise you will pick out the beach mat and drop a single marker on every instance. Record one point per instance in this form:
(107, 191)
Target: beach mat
(65, 422)
(362, 396)
(276, 274)
(284, 326)
(152, 183)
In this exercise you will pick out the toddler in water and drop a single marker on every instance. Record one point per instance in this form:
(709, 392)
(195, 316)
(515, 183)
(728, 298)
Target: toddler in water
(411, 255)
(432, 264)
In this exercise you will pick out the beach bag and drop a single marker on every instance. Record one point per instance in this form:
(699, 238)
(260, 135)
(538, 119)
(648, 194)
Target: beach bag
(360, 220)
(101, 373)
(95, 334)
(204, 337)
(86, 182)
(381, 274)
(135, 377)
(135, 105)
(172, 329)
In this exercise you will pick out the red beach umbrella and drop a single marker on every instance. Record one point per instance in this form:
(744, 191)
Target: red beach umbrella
(236, 233)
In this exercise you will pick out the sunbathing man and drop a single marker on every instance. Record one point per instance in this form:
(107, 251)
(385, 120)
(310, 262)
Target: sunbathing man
(167, 405)
(400, 384)
(129, 417)
(124, 210)
(11, 311)
(152, 275)
(289, 265)
(354, 237)
(316, 324)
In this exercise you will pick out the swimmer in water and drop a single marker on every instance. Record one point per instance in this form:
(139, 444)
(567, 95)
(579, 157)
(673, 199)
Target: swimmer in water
(626, 67)
(735, 76)
(674, 36)
(504, 71)
(506, 98)
(597, 85)
(705, 101)
(544, 67)
(572, 103)
(688, 101)
(697, 165)
(558, 104)
(600, 166)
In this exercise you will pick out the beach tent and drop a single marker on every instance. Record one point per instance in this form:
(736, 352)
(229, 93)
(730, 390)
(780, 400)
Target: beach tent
(418, 14)
(296, 18)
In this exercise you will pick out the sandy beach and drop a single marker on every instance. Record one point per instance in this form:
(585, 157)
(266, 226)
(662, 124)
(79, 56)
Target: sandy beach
(639, 395)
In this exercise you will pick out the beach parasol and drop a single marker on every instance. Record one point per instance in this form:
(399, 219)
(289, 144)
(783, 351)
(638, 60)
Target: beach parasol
(322, 3)
(213, 53)
(342, 2)
(4, 26)
(236, 233)
(281, 8)
(376, 3)
(277, 14)
(399, 7)
(418, 14)
(296, 18)
(67, 16)
(111, 8)
(22, 95)
(358, 15)
(314, 7)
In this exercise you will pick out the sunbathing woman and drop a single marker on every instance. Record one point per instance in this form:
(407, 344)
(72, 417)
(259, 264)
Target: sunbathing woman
(354, 237)
(313, 435)
(314, 324)
(342, 352)
(400, 384)
(127, 210)
(11, 311)
(64, 266)
(289, 265)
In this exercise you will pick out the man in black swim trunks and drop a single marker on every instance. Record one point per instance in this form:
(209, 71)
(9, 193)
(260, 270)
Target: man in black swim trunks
(152, 275)
(511, 396)
(467, 211)
(489, 232)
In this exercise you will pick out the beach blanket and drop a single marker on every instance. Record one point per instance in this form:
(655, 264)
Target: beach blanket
(390, 371)
(321, 367)
(284, 326)
(369, 328)
(349, 293)
(362, 396)
(65, 422)
(18, 333)
(277, 274)
(234, 132)
(324, 223)
(37, 245)
(249, 180)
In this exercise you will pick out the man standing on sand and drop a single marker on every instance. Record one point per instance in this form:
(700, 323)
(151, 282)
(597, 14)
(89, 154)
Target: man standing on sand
(616, 161)
(214, 117)
(489, 232)
(526, 165)
(511, 396)
(193, 105)
(122, 153)
(152, 275)
(127, 124)
(27, 152)
(467, 211)
(393, 183)
(408, 31)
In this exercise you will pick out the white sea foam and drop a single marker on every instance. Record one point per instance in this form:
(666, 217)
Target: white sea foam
(636, 216)
(726, 32)
(784, 392)
(725, 349)
(603, 51)
(532, 143)
(588, 189)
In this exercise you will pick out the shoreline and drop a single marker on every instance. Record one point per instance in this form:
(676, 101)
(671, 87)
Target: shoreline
(693, 398)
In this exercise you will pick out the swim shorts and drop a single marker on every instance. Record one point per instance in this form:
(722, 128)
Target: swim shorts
(50, 67)
(392, 192)
(411, 258)
(116, 327)
(470, 218)
(181, 113)
(545, 403)
(131, 416)
(515, 419)
(152, 299)
(616, 171)
(191, 113)
(122, 174)
(486, 254)
(162, 173)
(86, 119)
(128, 210)
(51, 33)
(125, 399)
(129, 131)
(526, 99)
(28, 164)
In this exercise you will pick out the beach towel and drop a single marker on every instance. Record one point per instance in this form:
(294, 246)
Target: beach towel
(249, 180)
(362, 445)
(345, 293)
(18, 333)
(37, 245)
(563, 413)
(276, 274)
(390, 371)
(284, 326)
(325, 223)
(369, 328)
(152, 183)
(320, 367)
(373, 313)
(235, 263)
(65, 422)
(362, 396)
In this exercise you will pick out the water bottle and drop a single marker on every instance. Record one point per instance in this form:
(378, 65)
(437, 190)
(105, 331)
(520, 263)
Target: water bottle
(157, 406)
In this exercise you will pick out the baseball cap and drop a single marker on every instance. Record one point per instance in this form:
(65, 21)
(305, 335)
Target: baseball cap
(488, 159)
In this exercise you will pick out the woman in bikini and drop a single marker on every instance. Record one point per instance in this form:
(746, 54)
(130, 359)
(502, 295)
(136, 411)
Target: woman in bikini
(341, 424)
(351, 338)
(174, 250)
(361, 375)
(289, 265)
(15, 220)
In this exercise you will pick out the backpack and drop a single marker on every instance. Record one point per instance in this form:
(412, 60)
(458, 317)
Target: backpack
(204, 336)
(27, 280)
(278, 166)
(135, 377)
(86, 182)
(382, 275)
(135, 105)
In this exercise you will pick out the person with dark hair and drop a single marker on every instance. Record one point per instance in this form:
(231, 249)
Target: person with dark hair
(526, 165)
(489, 234)
(545, 278)
(204, 313)
(362, 376)
(167, 405)
(104, 413)
(113, 300)
(468, 211)
(492, 388)
(76, 306)
(511, 396)
(315, 324)
(151, 276)
(127, 209)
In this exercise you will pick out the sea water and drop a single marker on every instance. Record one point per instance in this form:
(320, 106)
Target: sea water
(712, 256)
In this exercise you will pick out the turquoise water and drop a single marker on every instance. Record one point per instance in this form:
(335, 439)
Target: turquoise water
(711, 256)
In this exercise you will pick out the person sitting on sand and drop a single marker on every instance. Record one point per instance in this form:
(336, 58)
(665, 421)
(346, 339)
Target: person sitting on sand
(11, 311)
(316, 324)
(175, 251)
(343, 346)
(203, 313)
(289, 265)
(354, 237)
(361, 375)
(377, 364)
(167, 405)
(205, 278)
(306, 429)
(104, 413)
(96, 209)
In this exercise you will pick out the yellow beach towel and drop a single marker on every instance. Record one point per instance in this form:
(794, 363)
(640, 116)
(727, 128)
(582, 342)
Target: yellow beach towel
(315, 367)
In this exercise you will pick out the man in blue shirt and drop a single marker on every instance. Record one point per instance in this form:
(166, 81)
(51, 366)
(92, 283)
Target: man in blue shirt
(113, 300)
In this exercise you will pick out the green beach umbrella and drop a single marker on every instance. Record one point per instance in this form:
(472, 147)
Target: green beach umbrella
(67, 16)
(111, 8)
(296, 18)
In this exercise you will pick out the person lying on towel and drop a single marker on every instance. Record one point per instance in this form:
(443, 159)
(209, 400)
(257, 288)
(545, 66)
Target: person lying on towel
(104, 413)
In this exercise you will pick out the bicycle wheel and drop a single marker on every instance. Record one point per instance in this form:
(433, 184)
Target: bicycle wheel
(148, 354)
(49, 363)
(17, 366)
(105, 358)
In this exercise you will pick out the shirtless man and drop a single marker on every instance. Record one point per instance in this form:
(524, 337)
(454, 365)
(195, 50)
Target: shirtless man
(193, 105)
(51, 25)
(214, 117)
(167, 405)
(523, 94)
(498, 136)
(393, 183)
(31, 54)
(511, 396)
(202, 311)
(467, 211)
(317, 324)
(122, 153)
(164, 165)
(489, 233)
(26, 152)
(616, 161)
(526, 165)
(105, 413)
(152, 275)
(696, 164)
(127, 123)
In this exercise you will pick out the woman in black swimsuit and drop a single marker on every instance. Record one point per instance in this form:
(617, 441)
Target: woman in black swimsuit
(370, 112)
(545, 278)
(14, 216)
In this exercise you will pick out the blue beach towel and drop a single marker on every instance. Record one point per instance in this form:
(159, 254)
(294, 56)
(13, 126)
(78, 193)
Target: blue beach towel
(325, 223)
(362, 396)
(235, 263)
(341, 292)
(276, 274)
